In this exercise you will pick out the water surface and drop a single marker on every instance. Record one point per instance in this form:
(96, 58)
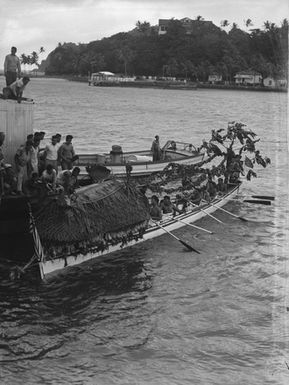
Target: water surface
(157, 314)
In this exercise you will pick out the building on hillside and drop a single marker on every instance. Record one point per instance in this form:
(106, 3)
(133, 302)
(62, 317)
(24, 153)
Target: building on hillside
(186, 22)
(251, 78)
(274, 82)
(215, 78)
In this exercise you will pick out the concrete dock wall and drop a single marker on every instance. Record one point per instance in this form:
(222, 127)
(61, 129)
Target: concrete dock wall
(16, 121)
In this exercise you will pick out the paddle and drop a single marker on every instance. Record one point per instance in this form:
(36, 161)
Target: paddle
(257, 201)
(228, 212)
(189, 247)
(210, 215)
(196, 227)
(264, 197)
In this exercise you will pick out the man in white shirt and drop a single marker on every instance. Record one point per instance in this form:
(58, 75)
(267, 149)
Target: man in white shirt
(12, 67)
(34, 157)
(51, 153)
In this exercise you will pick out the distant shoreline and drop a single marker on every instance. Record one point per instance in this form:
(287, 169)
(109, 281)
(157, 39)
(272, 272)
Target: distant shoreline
(179, 85)
(161, 84)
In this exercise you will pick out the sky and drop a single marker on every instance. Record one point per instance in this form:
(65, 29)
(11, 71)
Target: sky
(32, 24)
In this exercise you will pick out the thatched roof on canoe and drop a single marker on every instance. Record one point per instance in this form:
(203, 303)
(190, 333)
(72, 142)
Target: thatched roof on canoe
(110, 207)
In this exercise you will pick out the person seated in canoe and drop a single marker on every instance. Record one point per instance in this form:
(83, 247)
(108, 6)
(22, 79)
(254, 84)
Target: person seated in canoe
(68, 180)
(181, 203)
(187, 182)
(211, 188)
(64, 180)
(156, 150)
(173, 146)
(155, 210)
(196, 195)
(221, 186)
(49, 177)
(189, 147)
(166, 205)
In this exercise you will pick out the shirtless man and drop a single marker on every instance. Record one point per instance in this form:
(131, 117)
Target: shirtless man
(66, 153)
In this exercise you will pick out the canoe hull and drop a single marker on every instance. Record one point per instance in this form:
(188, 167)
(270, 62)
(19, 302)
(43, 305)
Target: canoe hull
(139, 168)
(48, 267)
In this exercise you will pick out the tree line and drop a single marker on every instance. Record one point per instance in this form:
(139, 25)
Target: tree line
(208, 49)
(31, 59)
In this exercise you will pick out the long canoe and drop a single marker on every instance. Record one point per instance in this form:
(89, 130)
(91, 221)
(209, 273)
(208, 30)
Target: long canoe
(48, 265)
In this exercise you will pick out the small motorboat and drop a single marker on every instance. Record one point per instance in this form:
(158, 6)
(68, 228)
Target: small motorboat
(141, 162)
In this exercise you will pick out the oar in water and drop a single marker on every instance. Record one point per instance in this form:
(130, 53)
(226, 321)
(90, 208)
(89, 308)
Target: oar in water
(196, 227)
(189, 247)
(210, 215)
(266, 197)
(258, 201)
(228, 212)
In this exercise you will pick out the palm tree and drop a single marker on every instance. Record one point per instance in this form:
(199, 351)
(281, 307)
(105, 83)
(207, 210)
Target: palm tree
(24, 60)
(143, 27)
(34, 58)
(225, 23)
(248, 23)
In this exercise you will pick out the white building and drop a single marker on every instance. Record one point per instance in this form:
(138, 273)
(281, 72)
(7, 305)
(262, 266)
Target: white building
(215, 78)
(273, 82)
(248, 78)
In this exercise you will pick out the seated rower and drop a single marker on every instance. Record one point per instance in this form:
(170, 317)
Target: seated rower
(166, 205)
(49, 177)
(196, 196)
(181, 203)
(155, 211)
(173, 146)
(212, 188)
(221, 186)
(187, 182)
(204, 194)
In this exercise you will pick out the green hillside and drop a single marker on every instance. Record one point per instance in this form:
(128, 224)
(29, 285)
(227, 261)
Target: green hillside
(206, 49)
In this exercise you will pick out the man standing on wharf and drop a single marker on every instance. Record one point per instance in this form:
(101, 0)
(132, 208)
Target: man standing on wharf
(12, 68)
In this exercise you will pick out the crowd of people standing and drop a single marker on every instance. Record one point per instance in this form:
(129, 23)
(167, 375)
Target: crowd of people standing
(49, 166)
